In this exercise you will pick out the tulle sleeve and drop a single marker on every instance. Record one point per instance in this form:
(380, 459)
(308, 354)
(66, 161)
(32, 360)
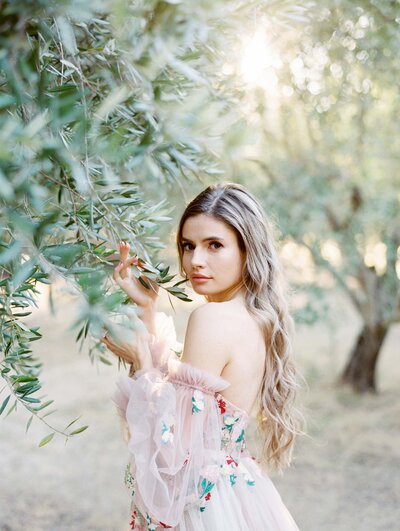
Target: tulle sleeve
(158, 347)
(175, 440)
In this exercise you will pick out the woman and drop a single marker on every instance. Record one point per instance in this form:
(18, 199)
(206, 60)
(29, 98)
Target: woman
(187, 417)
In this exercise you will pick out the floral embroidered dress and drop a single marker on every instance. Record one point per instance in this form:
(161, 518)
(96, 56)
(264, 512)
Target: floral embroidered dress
(188, 467)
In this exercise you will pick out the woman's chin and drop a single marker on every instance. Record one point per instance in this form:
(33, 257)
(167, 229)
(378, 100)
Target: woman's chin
(201, 290)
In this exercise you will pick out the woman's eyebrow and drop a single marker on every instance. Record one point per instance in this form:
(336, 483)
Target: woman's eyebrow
(213, 238)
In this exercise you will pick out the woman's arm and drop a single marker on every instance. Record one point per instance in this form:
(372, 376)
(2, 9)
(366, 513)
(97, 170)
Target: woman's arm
(148, 317)
(138, 354)
(125, 351)
(173, 426)
(207, 339)
(174, 439)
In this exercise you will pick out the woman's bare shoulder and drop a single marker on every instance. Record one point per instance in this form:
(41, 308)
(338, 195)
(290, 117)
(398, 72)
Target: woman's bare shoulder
(230, 321)
(207, 309)
(218, 316)
(205, 344)
(231, 307)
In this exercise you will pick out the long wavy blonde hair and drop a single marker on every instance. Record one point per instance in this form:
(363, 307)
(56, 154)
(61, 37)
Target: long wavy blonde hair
(278, 419)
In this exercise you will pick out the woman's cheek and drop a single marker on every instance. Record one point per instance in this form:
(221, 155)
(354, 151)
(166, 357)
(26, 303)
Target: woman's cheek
(229, 256)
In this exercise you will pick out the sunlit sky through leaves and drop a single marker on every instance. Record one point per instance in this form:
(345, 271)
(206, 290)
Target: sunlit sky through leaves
(259, 61)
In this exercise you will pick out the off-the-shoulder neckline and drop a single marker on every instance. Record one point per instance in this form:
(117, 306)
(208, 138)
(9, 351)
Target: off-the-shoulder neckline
(234, 406)
(220, 379)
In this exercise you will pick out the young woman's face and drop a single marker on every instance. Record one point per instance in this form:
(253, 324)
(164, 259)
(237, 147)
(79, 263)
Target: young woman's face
(211, 250)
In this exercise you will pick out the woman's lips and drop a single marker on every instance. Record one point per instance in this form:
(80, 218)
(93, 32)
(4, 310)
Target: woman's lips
(200, 279)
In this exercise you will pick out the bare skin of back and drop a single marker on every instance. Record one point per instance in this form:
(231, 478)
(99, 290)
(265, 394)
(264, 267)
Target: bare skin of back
(244, 368)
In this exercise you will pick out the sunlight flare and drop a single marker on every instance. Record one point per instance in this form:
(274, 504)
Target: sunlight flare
(259, 61)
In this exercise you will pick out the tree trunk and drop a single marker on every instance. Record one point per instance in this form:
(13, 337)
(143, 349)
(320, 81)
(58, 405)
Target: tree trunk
(360, 369)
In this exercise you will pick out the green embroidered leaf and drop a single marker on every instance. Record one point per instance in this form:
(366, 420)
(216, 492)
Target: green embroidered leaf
(241, 437)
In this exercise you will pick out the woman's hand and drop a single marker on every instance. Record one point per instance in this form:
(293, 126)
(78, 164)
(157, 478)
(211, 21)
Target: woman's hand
(137, 355)
(145, 298)
(127, 352)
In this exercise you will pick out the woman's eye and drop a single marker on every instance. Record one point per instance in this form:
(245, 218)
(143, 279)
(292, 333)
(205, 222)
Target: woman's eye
(190, 247)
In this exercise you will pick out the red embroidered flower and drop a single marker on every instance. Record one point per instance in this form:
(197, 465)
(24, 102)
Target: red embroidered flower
(230, 460)
(207, 496)
(132, 523)
(222, 405)
(165, 525)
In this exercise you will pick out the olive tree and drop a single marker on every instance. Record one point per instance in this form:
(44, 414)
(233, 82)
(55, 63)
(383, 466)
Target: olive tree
(104, 108)
(327, 158)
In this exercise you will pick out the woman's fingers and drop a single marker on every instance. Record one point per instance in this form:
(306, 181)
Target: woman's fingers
(117, 273)
(127, 264)
(124, 255)
(131, 285)
(119, 350)
(132, 260)
(124, 248)
(126, 260)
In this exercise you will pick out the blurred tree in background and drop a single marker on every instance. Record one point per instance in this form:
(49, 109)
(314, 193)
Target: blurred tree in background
(104, 107)
(326, 160)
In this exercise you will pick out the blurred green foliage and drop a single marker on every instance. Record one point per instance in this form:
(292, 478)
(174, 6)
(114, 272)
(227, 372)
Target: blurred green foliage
(325, 161)
(106, 108)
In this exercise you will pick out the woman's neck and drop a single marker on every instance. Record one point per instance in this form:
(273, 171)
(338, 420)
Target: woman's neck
(236, 294)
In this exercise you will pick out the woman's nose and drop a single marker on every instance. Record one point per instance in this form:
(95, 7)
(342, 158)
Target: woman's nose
(198, 257)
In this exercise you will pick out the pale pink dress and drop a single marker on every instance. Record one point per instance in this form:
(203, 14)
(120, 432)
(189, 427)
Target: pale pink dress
(188, 467)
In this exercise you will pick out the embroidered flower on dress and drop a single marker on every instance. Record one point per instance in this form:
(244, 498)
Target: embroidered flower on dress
(241, 437)
(151, 526)
(129, 479)
(226, 438)
(229, 421)
(206, 486)
(246, 476)
(166, 434)
(222, 406)
(133, 521)
(197, 401)
(231, 461)
(229, 468)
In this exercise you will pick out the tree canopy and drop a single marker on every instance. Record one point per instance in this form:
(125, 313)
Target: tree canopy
(103, 106)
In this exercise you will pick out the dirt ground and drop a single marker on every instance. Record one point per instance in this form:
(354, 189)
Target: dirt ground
(345, 475)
